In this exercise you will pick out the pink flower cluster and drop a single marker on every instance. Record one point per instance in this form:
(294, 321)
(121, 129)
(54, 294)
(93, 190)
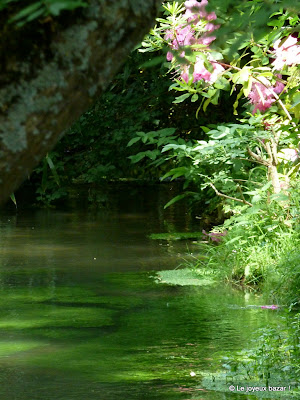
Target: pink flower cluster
(288, 53)
(262, 94)
(196, 11)
(200, 72)
(184, 35)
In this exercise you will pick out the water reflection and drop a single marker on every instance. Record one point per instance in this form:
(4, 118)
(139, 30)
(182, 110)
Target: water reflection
(81, 318)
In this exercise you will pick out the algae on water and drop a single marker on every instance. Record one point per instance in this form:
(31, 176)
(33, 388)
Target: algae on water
(176, 235)
(187, 277)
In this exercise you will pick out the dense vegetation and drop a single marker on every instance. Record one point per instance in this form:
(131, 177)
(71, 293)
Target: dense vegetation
(231, 134)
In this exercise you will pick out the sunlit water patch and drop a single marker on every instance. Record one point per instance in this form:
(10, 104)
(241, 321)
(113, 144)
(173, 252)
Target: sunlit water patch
(81, 316)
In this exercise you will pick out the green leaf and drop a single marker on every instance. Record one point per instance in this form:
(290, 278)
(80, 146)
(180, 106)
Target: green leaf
(176, 172)
(222, 84)
(181, 98)
(152, 154)
(53, 169)
(220, 134)
(205, 129)
(164, 140)
(247, 86)
(278, 197)
(216, 55)
(174, 147)
(34, 15)
(153, 62)
(296, 100)
(215, 98)
(44, 176)
(235, 239)
(206, 103)
(175, 199)
(242, 76)
(194, 98)
(166, 131)
(55, 7)
(236, 103)
(277, 23)
(25, 12)
(137, 157)
(13, 199)
(133, 140)
(208, 66)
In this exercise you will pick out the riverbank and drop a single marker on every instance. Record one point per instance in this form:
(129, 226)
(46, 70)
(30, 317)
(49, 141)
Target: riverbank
(83, 317)
(271, 270)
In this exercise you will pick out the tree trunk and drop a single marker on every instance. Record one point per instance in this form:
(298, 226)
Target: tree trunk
(51, 72)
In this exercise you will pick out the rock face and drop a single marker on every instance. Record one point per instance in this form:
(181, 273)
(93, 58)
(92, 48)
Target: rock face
(52, 70)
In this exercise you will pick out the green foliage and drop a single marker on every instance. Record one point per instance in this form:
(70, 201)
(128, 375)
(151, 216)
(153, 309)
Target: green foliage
(29, 11)
(224, 161)
(248, 53)
(249, 167)
(97, 143)
(95, 147)
(259, 251)
(137, 110)
(273, 361)
(221, 163)
(158, 138)
(52, 186)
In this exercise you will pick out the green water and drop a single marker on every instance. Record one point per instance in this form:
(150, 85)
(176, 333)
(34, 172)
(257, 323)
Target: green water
(82, 318)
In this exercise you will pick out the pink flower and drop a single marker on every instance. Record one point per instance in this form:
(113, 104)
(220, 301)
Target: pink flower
(185, 74)
(210, 27)
(196, 10)
(288, 155)
(169, 56)
(286, 54)
(206, 40)
(262, 94)
(200, 72)
(184, 36)
(218, 70)
(279, 86)
(193, 7)
(261, 97)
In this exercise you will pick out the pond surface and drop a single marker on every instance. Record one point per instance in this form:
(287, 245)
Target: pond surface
(81, 316)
